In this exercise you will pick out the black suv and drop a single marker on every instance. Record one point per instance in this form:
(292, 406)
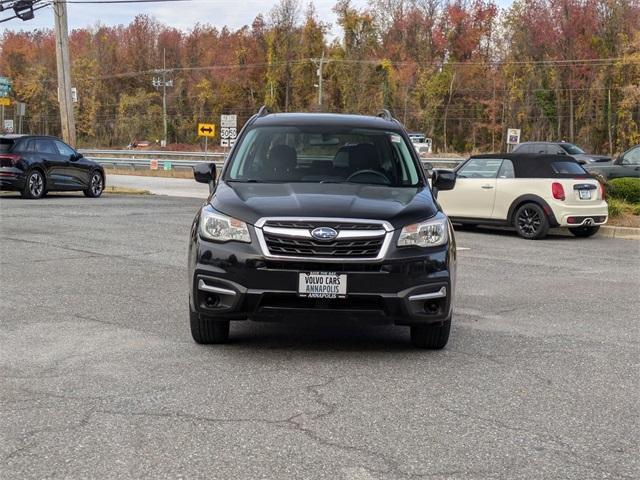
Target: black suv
(36, 164)
(322, 215)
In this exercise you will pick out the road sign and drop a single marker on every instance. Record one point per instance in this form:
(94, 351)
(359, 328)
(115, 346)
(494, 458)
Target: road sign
(5, 87)
(5, 102)
(206, 130)
(228, 130)
(513, 136)
(8, 126)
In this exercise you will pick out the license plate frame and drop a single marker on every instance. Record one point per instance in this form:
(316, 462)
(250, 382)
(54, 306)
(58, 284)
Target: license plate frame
(584, 194)
(322, 285)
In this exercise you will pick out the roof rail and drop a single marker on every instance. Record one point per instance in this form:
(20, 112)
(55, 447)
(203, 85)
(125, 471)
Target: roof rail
(386, 114)
(263, 111)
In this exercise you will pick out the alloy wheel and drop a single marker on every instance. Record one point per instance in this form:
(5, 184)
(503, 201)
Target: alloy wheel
(529, 221)
(36, 184)
(96, 184)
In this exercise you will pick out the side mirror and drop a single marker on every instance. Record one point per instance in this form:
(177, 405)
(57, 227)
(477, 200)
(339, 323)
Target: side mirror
(443, 179)
(76, 156)
(582, 162)
(205, 173)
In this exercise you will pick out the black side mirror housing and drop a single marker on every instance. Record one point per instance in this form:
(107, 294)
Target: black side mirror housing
(205, 173)
(76, 156)
(443, 179)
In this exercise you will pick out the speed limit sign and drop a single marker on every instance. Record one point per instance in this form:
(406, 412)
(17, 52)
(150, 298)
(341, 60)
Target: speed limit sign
(228, 130)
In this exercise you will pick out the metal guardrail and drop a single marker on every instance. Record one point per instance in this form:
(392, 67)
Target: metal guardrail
(184, 160)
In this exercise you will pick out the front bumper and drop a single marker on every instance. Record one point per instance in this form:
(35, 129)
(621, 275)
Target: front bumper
(233, 281)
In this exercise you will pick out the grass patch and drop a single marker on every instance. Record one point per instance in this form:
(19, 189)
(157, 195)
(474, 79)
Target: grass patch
(623, 214)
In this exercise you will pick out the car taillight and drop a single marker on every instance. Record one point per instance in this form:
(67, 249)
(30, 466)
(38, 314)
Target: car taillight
(603, 193)
(9, 160)
(557, 191)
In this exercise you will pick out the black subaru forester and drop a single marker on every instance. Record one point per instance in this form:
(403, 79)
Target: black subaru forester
(322, 215)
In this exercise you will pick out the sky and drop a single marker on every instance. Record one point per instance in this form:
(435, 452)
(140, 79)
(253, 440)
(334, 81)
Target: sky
(233, 14)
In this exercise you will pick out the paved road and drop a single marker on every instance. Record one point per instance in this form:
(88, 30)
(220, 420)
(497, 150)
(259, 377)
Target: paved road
(100, 378)
(176, 187)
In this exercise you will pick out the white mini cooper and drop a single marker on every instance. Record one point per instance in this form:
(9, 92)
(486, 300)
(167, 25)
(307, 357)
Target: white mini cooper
(532, 193)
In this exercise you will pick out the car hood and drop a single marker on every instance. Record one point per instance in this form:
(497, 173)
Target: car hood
(252, 201)
(592, 158)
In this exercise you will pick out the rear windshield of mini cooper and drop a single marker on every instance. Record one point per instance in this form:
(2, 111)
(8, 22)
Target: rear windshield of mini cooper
(569, 168)
(323, 155)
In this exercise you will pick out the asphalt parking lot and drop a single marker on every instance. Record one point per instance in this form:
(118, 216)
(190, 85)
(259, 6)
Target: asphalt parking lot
(100, 378)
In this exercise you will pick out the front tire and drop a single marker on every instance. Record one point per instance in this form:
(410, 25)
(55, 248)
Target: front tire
(431, 336)
(531, 222)
(584, 232)
(96, 185)
(34, 185)
(206, 330)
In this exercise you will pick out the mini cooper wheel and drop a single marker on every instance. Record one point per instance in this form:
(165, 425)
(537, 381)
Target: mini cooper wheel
(206, 330)
(584, 231)
(34, 185)
(96, 185)
(531, 222)
(431, 336)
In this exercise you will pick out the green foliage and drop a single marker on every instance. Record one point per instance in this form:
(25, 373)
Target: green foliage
(616, 207)
(625, 189)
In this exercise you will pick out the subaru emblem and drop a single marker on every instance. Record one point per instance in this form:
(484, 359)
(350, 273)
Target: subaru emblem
(324, 234)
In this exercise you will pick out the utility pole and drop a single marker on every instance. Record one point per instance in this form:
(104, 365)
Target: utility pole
(164, 83)
(64, 72)
(319, 63)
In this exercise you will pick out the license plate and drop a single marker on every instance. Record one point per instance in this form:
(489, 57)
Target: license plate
(585, 194)
(322, 285)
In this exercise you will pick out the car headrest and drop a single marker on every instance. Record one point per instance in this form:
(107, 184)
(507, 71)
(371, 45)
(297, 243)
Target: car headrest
(364, 156)
(282, 157)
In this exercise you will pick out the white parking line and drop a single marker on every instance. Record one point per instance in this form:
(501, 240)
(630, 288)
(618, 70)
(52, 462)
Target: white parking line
(459, 249)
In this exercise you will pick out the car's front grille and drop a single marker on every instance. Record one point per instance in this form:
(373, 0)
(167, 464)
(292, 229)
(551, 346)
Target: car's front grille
(298, 266)
(315, 224)
(293, 238)
(303, 247)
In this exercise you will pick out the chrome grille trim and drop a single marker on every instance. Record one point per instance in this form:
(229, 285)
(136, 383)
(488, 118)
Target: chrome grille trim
(384, 232)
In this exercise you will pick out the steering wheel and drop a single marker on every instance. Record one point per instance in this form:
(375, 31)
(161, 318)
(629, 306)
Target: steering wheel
(382, 176)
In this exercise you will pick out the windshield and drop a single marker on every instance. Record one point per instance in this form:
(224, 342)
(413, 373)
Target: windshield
(571, 149)
(323, 155)
(6, 144)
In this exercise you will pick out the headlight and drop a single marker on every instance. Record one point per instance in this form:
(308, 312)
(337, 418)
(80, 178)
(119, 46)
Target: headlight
(222, 228)
(430, 233)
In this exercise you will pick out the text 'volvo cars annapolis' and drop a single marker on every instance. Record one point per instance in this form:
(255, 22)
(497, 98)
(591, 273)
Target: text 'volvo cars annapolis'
(322, 216)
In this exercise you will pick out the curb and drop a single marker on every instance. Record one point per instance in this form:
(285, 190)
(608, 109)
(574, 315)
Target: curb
(627, 233)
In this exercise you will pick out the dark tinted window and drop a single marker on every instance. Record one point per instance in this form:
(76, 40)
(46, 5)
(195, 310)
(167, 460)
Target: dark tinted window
(28, 145)
(632, 157)
(44, 145)
(64, 149)
(6, 144)
(567, 168)
(571, 149)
